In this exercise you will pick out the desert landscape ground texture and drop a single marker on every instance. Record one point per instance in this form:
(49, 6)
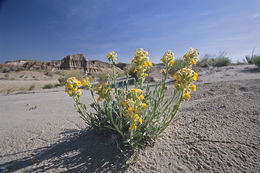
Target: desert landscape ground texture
(218, 130)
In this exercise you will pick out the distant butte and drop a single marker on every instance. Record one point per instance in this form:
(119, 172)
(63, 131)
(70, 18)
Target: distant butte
(71, 62)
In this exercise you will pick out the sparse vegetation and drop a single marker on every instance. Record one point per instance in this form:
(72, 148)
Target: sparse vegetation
(9, 91)
(103, 76)
(132, 73)
(48, 86)
(48, 73)
(179, 64)
(6, 75)
(62, 80)
(256, 61)
(31, 87)
(11, 68)
(57, 85)
(214, 60)
(5, 70)
(249, 59)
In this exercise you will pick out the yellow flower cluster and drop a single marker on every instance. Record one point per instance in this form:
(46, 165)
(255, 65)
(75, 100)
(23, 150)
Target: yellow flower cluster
(86, 83)
(134, 107)
(103, 91)
(184, 81)
(142, 63)
(168, 59)
(191, 57)
(112, 56)
(71, 87)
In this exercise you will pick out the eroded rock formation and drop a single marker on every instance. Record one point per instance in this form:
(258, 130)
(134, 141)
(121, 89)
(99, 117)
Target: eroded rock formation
(70, 62)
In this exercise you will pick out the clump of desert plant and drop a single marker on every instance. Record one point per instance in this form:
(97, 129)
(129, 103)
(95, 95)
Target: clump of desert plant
(222, 61)
(48, 73)
(256, 61)
(179, 64)
(102, 76)
(57, 85)
(214, 60)
(31, 87)
(131, 72)
(136, 116)
(62, 80)
(6, 76)
(48, 86)
(5, 70)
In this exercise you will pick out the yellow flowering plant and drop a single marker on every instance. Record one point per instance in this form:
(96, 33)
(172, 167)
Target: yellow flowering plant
(135, 115)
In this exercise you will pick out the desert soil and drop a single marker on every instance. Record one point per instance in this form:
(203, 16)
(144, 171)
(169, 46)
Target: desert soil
(218, 131)
(22, 81)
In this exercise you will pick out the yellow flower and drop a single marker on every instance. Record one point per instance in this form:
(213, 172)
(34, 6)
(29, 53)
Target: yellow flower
(140, 121)
(141, 63)
(168, 58)
(75, 89)
(78, 83)
(163, 70)
(70, 92)
(85, 82)
(132, 127)
(193, 61)
(111, 56)
(137, 116)
(187, 96)
(144, 64)
(146, 74)
(171, 62)
(134, 90)
(193, 87)
(124, 103)
(130, 109)
(195, 76)
(141, 97)
(100, 99)
(144, 105)
(70, 86)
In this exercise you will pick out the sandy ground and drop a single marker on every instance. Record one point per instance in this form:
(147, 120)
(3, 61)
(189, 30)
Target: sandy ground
(22, 81)
(219, 131)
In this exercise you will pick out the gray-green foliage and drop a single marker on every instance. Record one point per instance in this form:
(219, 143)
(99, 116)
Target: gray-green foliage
(48, 86)
(179, 64)
(219, 60)
(256, 61)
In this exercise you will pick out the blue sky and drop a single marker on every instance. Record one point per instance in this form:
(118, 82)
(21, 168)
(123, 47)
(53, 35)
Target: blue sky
(51, 29)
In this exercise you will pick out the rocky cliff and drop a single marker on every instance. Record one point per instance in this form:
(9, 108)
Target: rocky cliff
(74, 62)
(70, 62)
